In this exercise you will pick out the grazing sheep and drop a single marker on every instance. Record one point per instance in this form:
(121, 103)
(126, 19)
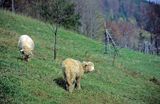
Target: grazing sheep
(73, 71)
(26, 46)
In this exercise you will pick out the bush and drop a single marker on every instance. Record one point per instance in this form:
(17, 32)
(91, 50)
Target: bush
(8, 89)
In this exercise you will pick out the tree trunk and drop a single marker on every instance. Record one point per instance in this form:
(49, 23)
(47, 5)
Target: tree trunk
(113, 43)
(157, 47)
(1, 3)
(106, 43)
(114, 46)
(55, 42)
(13, 7)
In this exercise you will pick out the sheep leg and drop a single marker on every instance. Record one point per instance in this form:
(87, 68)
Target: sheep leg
(78, 83)
(69, 84)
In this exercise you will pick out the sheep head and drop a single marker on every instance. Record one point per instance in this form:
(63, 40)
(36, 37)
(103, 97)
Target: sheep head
(88, 66)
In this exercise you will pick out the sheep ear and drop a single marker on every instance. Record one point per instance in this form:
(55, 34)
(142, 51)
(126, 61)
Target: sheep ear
(84, 63)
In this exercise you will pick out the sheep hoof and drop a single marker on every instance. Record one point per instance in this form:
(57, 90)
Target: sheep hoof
(70, 90)
(78, 88)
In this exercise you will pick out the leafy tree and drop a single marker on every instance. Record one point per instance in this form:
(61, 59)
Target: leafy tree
(59, 12)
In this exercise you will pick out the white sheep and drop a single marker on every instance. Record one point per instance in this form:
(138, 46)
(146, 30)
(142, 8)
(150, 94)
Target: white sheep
(73, 71)
(26, 46)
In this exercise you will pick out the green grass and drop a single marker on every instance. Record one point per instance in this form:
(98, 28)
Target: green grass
(39, 80)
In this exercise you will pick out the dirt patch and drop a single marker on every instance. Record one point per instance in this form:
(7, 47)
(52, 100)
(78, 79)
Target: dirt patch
(5, 32)
(155, 80)
(8, 89)
(129, 72)
(132, 73)
(3, 48)
(42, 94)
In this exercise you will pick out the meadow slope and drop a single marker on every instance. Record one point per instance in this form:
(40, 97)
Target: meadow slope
(134, 79)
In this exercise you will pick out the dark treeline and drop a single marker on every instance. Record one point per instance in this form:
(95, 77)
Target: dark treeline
(86, 16)
(46, 10)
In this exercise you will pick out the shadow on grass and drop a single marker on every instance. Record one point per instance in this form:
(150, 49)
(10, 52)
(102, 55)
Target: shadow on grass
(155, 80)
(5, 98)
(20, 59)
(60, 82)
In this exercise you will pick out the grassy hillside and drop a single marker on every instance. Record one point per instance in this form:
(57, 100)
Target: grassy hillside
(134, 79)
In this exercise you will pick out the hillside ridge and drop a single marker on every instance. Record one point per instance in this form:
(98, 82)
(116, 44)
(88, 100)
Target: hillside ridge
(133, 79)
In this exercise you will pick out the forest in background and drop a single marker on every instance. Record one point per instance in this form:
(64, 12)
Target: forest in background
(133, 24)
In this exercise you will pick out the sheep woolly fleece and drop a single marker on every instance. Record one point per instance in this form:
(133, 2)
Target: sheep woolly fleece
(73, 70)
(26, 44)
